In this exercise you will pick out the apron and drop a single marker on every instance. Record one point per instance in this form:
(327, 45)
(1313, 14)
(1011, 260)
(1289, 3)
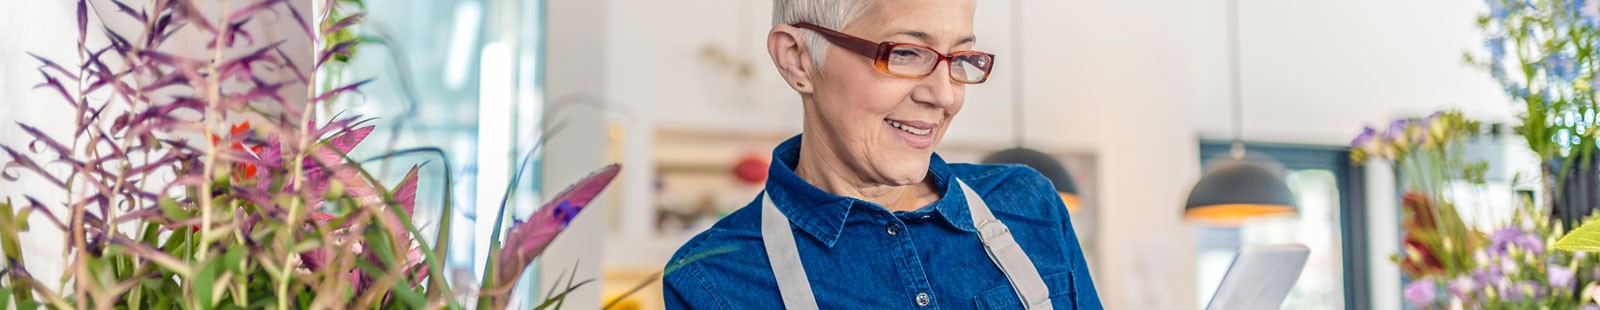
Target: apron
(1003, 250)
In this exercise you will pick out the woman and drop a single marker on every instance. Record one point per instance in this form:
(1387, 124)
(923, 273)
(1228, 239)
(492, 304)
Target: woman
(858, 212)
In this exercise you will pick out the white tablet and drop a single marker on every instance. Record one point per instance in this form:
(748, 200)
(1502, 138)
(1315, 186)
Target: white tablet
(1260, 277)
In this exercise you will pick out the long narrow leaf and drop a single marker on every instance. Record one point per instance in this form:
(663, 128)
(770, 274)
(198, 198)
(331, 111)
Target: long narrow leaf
(141, 250)
(83, 22)
(253, 9)
(342, 89)
(38, 136)
(53, 83)
(342, 23)
(125, 9)
(46, 63)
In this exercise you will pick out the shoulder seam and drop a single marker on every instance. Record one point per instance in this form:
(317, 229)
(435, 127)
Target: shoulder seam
(990, 173)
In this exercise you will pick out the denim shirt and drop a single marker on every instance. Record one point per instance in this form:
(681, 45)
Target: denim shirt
(859, 255)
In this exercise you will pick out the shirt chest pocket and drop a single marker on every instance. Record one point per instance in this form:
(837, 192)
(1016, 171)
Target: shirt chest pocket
(1003, 297)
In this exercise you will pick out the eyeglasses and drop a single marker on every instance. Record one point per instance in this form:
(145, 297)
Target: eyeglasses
(911, 60)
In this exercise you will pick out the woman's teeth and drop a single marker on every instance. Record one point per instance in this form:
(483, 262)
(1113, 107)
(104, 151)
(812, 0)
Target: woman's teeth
(908, 128)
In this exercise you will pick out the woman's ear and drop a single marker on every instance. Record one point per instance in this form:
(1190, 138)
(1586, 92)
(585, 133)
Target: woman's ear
(791, 57)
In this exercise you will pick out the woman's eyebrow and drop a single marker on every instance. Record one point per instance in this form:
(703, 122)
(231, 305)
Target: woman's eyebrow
(925, 37)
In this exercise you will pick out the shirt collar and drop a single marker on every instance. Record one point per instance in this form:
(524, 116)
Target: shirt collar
(822, 214)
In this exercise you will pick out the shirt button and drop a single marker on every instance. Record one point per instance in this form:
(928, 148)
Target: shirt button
(922, 299)
(894, 229)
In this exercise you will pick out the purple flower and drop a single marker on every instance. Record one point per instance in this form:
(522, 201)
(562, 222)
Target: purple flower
(1560, 277)
(1519, 290)
(1589, 307)
(1397, 131)
(1364, 138)
(1501, 240)
(1420, 293)
(1489, 275)
(1462, 287)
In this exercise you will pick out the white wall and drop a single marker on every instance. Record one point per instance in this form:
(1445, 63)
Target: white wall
(1316, 71)
(577, 29)
(25, 30)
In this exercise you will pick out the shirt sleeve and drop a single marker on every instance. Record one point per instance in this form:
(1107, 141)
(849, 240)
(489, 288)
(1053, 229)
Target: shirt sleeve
(1082, 282)
(674, 296)
(682, 289)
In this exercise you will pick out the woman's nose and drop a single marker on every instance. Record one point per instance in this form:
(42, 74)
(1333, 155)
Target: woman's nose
(937, 89)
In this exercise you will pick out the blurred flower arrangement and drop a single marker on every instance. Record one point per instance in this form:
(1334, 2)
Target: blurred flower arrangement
(1452, 265)
(1544, 54)
(209, 179)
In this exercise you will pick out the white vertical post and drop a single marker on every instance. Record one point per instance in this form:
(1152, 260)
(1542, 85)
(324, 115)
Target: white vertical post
(574, 68)
(1383, 235)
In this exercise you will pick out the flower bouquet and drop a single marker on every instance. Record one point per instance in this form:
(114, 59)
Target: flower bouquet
(1546, 56)
(1453, 265)
(209, 179)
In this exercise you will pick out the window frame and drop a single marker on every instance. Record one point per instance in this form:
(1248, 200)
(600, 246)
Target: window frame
(1351, 178)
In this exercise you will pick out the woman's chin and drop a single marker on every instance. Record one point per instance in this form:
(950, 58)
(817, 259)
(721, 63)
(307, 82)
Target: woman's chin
(906, 174)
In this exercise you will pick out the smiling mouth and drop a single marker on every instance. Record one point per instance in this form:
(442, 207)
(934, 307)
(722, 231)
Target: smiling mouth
(921, 129)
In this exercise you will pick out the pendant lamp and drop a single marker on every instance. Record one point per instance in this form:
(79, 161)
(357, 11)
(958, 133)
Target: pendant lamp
(1238, 186)
(1044, 163)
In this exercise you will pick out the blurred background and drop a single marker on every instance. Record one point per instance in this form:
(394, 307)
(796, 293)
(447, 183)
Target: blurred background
(1131, 97)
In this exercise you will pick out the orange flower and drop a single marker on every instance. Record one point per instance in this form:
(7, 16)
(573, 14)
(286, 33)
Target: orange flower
(241, 171)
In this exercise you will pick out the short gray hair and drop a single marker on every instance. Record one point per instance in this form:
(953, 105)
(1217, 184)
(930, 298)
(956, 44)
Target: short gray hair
(831, 14)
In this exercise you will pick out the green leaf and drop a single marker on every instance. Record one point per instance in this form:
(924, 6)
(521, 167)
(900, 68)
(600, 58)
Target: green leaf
(1584, 239)
(205, 282)
(234, 259)
(174, 212)
(11, 247)
(411, 298)
(22, 219)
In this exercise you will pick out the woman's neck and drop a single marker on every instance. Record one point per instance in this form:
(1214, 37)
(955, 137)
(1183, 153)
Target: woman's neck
(819, 166)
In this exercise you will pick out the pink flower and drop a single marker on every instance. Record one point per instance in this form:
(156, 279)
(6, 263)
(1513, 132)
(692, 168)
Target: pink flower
(1420, 293)
(527, 240)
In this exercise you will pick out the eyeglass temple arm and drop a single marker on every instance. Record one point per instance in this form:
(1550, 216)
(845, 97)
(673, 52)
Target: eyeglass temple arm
(849, 42)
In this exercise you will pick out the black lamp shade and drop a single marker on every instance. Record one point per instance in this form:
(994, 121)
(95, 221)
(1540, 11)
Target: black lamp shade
(1236, 189)
(1046, 165)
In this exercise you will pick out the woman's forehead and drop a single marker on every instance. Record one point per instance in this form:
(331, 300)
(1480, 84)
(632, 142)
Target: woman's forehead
(934, 22)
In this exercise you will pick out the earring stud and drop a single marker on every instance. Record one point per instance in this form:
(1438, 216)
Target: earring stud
(801, 84)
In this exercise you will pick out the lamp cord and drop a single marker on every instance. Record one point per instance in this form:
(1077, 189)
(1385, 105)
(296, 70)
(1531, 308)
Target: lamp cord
(1235, 89)
(1018, 119)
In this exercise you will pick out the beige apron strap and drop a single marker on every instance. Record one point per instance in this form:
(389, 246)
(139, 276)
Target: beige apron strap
(1007, 254)
(795, 287)
(785, 258)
